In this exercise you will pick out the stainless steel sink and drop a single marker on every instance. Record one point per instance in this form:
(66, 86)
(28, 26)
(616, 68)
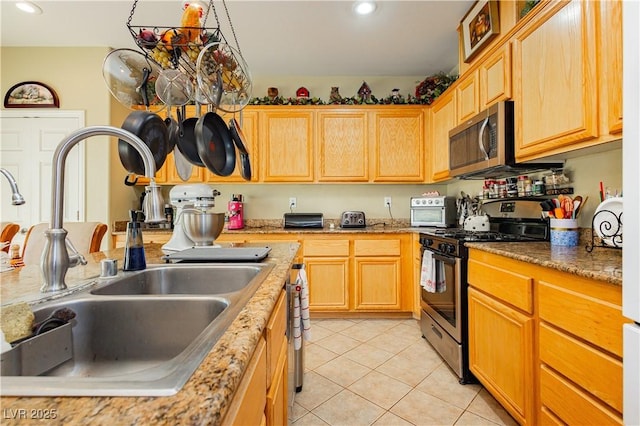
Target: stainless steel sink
(142, 333)
(181, 279)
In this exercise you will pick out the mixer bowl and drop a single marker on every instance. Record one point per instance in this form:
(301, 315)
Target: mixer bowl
(202, 228)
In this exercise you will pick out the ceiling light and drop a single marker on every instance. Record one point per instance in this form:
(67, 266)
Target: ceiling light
(28, 7)
(364, 7)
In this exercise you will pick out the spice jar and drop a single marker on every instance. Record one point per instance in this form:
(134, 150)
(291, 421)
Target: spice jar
(538, 188)
(521, 185)
(528, 188)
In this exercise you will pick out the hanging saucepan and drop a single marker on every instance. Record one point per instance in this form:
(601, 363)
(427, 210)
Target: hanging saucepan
(215, 146)
(221, 59)
(153, 131)
(187, 142)
(240, 141)
(131, 78)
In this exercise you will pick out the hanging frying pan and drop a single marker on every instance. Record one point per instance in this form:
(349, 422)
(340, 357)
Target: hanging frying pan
(239, 140)
(153, 131)
(187, 142)
(215, 146)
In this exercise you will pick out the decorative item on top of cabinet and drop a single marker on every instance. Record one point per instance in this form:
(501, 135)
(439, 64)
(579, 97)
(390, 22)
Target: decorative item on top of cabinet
(479, 26)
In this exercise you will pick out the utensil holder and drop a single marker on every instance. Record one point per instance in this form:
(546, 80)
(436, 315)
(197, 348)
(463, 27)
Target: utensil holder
(564, 232)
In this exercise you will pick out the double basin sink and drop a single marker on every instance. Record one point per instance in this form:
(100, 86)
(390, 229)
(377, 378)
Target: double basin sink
(139, 333)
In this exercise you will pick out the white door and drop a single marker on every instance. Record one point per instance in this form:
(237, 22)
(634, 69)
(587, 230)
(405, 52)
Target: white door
(28, 140)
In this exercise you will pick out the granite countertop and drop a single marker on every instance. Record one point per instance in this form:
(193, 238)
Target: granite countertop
(604, 264)
(205, 397)
(271, 226)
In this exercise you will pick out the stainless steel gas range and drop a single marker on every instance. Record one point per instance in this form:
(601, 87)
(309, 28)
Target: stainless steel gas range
(444, 320)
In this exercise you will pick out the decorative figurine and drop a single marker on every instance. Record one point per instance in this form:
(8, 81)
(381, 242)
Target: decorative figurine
(364, 92)
(272, 92)
(302, 93)
(335, 95)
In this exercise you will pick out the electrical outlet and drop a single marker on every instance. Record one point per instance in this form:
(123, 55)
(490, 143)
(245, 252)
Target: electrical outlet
(387, 201)
(293, 203)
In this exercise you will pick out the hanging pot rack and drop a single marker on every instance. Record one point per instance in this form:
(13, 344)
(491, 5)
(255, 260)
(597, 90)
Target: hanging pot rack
(169, 49)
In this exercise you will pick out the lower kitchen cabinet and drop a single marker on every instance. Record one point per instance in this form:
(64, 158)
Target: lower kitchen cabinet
(501, 353)
(327, 266)
(377, 266)
(546, 344)
(248, 405)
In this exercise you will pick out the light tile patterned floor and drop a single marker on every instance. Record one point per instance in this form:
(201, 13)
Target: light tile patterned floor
(382, 372)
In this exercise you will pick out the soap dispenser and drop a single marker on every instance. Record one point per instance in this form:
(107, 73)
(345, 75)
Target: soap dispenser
(134, 259)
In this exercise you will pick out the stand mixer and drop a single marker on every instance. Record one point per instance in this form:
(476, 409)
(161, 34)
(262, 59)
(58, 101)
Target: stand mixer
(193, 196)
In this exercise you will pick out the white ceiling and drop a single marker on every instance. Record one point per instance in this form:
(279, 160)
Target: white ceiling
(303, 37)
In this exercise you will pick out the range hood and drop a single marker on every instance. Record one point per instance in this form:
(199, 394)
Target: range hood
(483, 147)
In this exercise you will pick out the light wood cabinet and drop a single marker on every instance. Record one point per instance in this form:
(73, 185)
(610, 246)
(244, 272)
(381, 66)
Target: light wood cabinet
(377, 266)
(327, 266)
(494, 75)
(286, 145)
(501, 327)
(610, 48)
(275, 333)
(398, 148)
(574, 350)
(554, 85)
(468, 96)
(443, 119)
(249, 401)
(343, 146)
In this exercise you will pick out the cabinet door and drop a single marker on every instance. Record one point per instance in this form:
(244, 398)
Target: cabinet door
(197, 173)
(249, 123)
(495, 77)
(377, 283)
(287, 146)
(468, 97)
(342, 146)
(328, 283)
(443, 119)
(501, 353)
(399, 145)
(276, 410)
(556, 96)
(611, 78)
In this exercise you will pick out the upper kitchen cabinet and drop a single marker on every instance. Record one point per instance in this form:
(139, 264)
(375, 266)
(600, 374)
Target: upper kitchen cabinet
(343, 146)
(554, 80)
(286, 138)
(248, 121)
(442, 119)
(399, 144)
(611, 59)
(468, 96)
(494, 75)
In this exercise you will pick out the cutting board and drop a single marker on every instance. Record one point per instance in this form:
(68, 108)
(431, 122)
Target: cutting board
(219, 254)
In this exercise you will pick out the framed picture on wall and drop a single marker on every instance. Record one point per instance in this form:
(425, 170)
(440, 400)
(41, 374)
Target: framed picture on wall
(479, 26)
(31, 94)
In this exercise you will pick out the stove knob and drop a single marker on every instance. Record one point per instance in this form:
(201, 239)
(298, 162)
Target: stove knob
(442, 247)
(451, 249)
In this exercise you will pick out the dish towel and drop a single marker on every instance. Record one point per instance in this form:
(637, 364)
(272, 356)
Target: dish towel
(432, 277)
(301, 320)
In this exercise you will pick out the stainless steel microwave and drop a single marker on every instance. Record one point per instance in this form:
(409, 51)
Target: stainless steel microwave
(483, 147)
(438, 211)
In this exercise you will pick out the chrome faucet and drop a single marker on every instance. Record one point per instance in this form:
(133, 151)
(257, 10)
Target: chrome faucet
(55, 259)
(17, 198)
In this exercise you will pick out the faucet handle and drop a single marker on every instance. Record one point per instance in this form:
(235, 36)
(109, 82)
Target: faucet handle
(75, 257)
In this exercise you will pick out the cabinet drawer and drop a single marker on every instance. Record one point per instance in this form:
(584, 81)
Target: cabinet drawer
(501, 282)
(571, 404)
(275, 331)
(591, 369)
(583, 314)
(325, 248)
(376, 247)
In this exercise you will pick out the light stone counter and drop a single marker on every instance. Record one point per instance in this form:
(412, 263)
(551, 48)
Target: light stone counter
(205, 397)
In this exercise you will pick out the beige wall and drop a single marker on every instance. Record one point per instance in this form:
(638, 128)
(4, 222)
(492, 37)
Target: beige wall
(76, 76)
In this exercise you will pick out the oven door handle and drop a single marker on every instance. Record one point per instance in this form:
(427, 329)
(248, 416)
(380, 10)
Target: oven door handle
(445, 259)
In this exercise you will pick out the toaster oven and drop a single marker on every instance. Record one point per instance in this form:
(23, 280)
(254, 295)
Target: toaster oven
(440, 211)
